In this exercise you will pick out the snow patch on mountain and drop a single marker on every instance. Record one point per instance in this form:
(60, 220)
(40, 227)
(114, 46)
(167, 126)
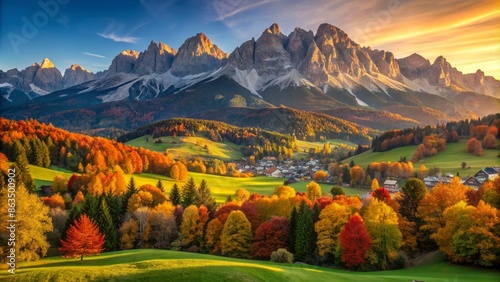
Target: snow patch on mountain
(38, 90)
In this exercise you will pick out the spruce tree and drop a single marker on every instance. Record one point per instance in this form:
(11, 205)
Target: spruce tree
(74, 214)
(205, 197)
(159, 185)
(23, 173)
(175, 195)
(291, 230)
(131, 190)
(304, 233)
(189, 193)
(106, 226)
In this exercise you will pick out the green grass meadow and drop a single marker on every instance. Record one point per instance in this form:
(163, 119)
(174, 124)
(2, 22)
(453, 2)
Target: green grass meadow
(161, 265)
(186, 147)
(449, 160)
(221, 186)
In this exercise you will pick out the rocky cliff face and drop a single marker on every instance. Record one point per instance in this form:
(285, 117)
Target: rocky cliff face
(123, 63)
(197, 55)
(156, 59)
(443, 75)
(413, 66)
(75, 75)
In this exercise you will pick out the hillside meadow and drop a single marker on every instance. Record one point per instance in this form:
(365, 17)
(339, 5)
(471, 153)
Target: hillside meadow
(449, 160)
(162, 265)
(221, 186)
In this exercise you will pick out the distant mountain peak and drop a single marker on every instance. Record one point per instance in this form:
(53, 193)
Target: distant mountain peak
(75, 67)
(47, 64)
(274, 29)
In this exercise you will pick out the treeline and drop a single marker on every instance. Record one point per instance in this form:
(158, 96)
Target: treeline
(450, 132)
(330, 154)
(379, 232)
(254, 141)
(305, 125)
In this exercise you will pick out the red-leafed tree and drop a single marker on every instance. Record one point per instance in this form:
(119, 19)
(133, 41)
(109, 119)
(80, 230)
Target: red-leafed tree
(83, 238)
(355, 241)
(381, 194)
(269, 237)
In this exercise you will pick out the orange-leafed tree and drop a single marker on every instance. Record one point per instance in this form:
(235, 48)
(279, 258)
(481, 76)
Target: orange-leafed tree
(269, 237)
(474, 147)
(320, 175)
(490, 142)
(355, 241)
(83, 238)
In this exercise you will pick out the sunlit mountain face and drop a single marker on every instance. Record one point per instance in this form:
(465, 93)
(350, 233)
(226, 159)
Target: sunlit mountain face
(92, 33)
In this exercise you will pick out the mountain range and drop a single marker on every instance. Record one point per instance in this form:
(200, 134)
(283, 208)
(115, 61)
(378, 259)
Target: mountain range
(324, 72)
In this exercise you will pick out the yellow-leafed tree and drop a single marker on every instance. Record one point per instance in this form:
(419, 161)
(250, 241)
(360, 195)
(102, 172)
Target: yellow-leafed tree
(236, 236)
(331, 220)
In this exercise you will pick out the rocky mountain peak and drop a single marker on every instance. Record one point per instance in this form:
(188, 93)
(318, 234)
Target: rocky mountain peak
(123, 62)
(47, 64)
(274, 29)
(76, 74)
(298, 44)
(196, 55)
(156, 59)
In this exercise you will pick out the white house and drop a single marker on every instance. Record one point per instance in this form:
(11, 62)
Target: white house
(391, 185)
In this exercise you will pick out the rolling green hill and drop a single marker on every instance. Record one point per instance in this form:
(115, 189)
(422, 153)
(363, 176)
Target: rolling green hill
(187, 147)
(449, 160)
(162, 265)
(221, 186)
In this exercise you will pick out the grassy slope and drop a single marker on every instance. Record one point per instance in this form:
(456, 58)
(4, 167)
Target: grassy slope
(304, 146)
(449, 160)
(221, 186)
(161, 265)
(187, 147)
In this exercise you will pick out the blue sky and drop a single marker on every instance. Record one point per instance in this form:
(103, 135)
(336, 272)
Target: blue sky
(91, 33)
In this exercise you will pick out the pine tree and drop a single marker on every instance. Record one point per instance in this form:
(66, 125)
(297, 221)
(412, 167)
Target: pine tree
(189, 193)
(159, 185)
(131, 189)
(107, 227)
(175, 195)
(291, 230)
(83, 238)
(304, 244)
(23, 173)
(205, 197)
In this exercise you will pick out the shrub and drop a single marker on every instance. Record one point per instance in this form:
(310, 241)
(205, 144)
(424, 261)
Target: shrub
(282, 256)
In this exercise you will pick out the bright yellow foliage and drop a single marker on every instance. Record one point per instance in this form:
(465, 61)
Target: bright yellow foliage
(331, 220)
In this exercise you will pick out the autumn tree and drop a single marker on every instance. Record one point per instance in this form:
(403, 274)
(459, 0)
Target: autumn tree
(59, 184)
(162, 229)
(490, 142)
(129, 231)
(33, 222)
(469, 234)
(313, 190)
(190, 228)
(54, 201)
(382, 223)
(381, 194)
(83, 238)
(320, 175)
(355, 242)
(242, 195)
(433, 205)
(422, 171)
(284, 191)
(331, 220)
(236, 236)
(474, 147)
(175, 195)
(269, 237)
(213, 235)
(374, 184)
